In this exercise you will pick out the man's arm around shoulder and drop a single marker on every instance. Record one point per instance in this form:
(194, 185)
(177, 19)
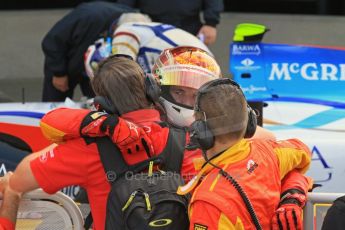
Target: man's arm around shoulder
(292, 154)
(23, 179)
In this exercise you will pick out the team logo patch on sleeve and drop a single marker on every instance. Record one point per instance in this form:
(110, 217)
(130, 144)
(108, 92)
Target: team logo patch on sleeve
(200, 227)
(97, 115)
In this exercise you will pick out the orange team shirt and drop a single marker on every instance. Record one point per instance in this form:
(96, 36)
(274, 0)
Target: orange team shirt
(6, 224)
(75, 163)
(217, 205)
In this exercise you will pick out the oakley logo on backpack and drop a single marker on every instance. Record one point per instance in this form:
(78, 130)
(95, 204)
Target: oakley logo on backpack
(160, 223)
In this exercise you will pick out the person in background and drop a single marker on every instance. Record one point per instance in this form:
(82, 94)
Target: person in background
(9, 205)
(141, 39)
(239, 182)
(184, 14)
(67, 41)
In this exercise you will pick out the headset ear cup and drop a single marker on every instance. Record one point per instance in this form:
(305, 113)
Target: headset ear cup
(201, 135)
(252, 123)
(103, 103)
(153, 89)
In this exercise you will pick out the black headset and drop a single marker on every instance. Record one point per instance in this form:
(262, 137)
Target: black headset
(201, 136)
(152, 90)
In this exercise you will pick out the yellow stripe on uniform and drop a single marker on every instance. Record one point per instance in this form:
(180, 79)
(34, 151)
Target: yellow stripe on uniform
(114, 51)
(225, 224)
(290, 159)
(52, 134)
(217, 178)
(214, 182)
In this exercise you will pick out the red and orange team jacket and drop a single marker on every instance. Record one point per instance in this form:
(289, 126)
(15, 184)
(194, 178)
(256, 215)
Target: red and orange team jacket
(63, 124)
(127, 132)
(258, 166)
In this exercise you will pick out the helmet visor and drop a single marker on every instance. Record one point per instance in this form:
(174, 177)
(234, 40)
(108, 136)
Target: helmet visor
(186, 66)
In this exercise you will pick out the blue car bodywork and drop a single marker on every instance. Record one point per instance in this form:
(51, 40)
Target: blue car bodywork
(289, 72)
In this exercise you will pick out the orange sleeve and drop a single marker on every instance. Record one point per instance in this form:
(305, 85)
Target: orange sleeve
(296, 180)
(203, 216)
(292, 154)
(6, 224)
(57, 168)
(62, 124)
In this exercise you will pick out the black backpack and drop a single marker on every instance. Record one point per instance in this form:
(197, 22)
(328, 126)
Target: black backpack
(141, 199)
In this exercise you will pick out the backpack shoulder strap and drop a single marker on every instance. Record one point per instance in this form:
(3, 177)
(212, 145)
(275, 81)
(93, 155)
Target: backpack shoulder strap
(172, 154)
(111, 157)
(170, 158)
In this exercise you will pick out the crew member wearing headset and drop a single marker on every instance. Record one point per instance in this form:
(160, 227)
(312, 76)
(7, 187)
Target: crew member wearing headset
(239, 182)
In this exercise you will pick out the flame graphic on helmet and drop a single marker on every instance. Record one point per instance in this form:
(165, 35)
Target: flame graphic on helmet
(185, 66)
